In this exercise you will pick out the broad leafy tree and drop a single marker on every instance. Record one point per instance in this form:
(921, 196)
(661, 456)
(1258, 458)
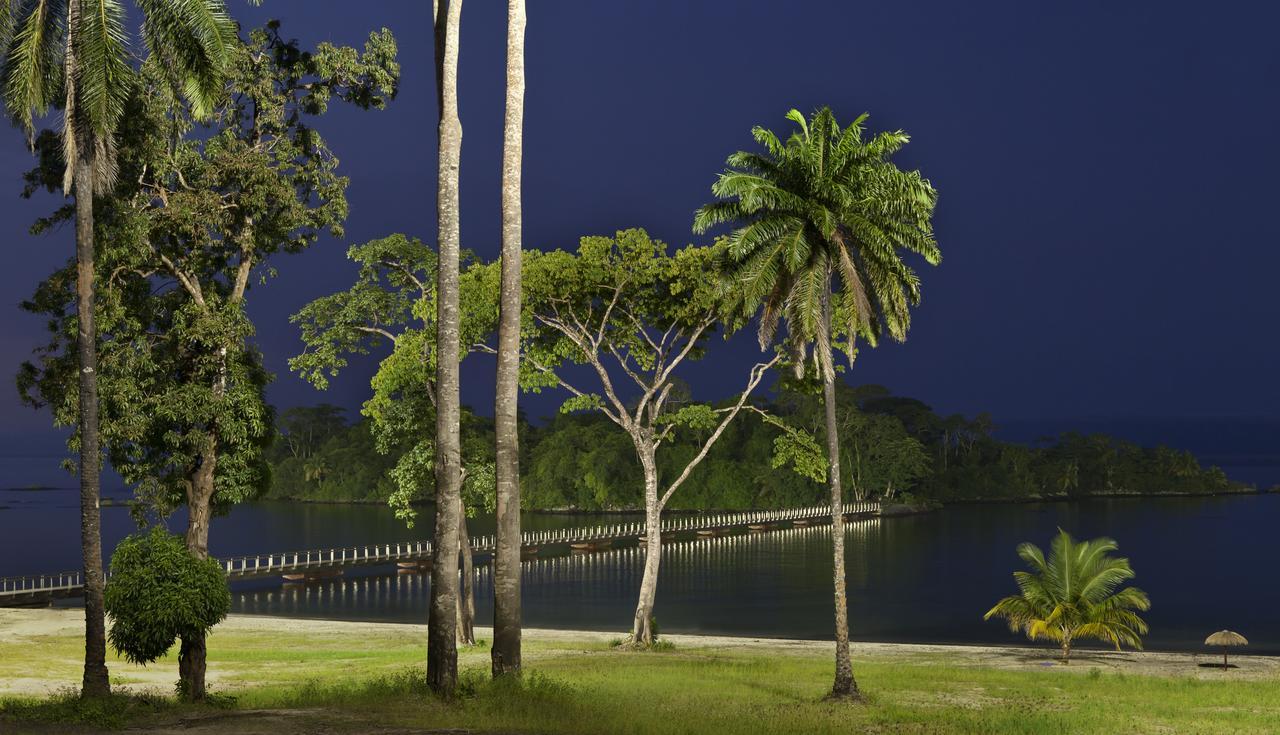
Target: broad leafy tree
(1075, 593)
(877, 455)
(392, 305)
(632, 314)
(202, 212)
(73, 55)
(821, 225)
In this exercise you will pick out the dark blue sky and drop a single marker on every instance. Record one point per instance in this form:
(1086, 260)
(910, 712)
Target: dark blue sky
(1107, 175)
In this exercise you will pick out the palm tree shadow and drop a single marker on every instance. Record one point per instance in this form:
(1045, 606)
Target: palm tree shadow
(1217, 666)
(1078, 657)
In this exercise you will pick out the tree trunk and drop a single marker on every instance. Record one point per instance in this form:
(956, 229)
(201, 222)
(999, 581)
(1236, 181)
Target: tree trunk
(442, 651)
(96, 681)
(467, 595)
(505, 656)
(845, 686)
(642, 626)
(193, 653)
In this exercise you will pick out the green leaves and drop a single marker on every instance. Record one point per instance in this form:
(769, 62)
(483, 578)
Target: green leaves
(32, 65)
(196, 40)
(800, 450)
(396, 278)
(103, 76)
(188, 232)
(585, 402)
(81, 60)
(826, 211)
(697, 416)
(158, 592)
(1075, 593)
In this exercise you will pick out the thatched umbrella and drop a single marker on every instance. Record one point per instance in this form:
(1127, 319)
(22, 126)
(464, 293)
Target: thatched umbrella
(1225, 638)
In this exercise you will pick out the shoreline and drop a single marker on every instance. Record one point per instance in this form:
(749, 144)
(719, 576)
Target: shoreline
(31, 630)
(938, 505)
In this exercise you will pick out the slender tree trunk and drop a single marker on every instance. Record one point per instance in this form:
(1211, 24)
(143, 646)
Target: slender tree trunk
(642, 626)
(467, 595)
(442, 651)
(193, 652)
(96, 681)
(845, 686)
(505, 656)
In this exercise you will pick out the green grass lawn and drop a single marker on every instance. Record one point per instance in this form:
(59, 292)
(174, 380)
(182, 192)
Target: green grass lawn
(351, 683)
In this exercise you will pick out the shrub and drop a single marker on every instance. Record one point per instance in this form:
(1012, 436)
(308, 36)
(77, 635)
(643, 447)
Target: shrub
(159, 592)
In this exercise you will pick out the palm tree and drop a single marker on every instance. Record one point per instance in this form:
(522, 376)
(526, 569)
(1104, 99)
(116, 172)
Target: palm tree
(822, 222)
(1075, 594)
(506, 568)
(73, 54)
(442, 651)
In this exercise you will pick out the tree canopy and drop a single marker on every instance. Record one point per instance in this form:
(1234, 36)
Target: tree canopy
(203, 209)
(158, 592)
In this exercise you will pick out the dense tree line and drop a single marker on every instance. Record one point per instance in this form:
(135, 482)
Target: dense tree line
(893, 447)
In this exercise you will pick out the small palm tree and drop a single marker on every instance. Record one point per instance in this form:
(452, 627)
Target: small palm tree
(1075, 594)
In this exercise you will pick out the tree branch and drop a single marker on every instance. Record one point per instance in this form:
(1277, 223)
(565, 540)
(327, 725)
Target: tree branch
(757, 374)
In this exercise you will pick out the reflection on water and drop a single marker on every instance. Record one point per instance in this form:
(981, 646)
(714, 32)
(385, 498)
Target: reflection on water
(760, 583)
(1207, 563)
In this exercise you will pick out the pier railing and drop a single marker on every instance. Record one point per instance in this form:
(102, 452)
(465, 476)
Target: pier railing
(37, 588)
(40, 586)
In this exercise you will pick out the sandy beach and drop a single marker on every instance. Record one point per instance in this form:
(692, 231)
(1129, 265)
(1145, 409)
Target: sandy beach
(26, 633)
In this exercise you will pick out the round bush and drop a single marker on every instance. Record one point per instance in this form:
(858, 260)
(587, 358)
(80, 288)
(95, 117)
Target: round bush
(159, 592)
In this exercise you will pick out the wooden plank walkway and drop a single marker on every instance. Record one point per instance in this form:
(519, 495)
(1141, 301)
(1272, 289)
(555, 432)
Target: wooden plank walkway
(43, 588)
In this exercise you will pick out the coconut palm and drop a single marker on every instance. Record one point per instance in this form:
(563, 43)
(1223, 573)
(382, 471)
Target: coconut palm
(822, 224)
(1075, 594)
(442, 651)
(506, 564)
(73, 54)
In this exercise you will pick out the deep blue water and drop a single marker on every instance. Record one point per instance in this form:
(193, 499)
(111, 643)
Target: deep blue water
(1207, 563)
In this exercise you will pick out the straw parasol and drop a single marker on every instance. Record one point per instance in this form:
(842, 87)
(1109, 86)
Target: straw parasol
(1225, 638)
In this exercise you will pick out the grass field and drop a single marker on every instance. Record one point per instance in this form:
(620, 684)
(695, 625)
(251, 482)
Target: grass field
(282, 677)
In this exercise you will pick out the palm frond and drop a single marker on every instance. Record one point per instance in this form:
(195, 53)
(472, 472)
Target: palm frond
(103, 76)
(32, 65)
(102, 82)
(849, 212)
(197, 37)
(1074, 594)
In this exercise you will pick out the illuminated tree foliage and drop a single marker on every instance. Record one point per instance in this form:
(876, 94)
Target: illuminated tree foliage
(206, 208)
(158, 592)
(392, 305)
(1076, 593)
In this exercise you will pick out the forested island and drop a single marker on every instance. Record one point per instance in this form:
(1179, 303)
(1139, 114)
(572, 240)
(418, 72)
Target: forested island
(894, 448)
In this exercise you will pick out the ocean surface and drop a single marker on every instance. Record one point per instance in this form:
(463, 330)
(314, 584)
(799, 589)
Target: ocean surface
(1207, 563)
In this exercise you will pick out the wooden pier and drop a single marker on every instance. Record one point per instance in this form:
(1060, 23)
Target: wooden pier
(408, 556)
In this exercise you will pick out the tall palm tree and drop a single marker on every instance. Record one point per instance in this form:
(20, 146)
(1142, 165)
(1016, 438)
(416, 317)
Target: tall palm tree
(506, 568)
(1075, 594)
(73, 54)
(822, 222)
(442, 651)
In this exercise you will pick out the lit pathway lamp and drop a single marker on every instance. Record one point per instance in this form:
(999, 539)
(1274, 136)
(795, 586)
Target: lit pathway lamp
(1225, 638)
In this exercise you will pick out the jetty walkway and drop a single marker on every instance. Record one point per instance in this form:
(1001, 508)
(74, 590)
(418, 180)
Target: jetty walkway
(318, 563)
